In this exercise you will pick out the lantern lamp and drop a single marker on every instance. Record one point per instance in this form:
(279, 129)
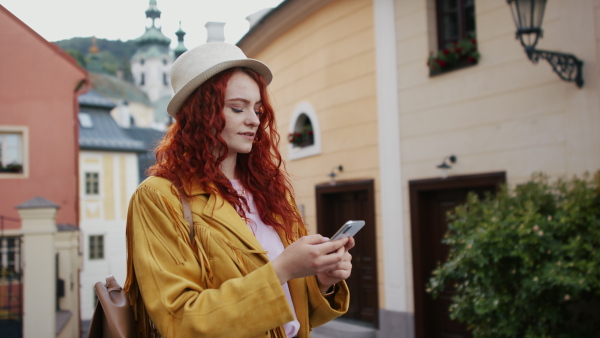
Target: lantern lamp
(528, 16)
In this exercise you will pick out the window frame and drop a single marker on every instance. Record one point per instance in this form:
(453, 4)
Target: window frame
(85, 183)
(24, 134)
(462, 33)
(96, 250)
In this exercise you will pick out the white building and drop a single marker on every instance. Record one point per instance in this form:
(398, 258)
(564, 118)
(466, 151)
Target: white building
(108, 174)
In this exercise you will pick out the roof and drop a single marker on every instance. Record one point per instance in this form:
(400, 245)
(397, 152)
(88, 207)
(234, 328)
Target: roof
(66, 227)
(149, 136)
(153, 35)
(94, 99)
(102, 131)
(112, 87)
(276, 22)
(151, 52)
(37, 202)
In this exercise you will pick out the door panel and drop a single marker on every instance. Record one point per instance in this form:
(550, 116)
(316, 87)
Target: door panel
(336, 205)
(431, 200)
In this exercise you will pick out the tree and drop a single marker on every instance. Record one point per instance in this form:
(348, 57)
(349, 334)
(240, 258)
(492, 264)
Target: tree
(78, 57)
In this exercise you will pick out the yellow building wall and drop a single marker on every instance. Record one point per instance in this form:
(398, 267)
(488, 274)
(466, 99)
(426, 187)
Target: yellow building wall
(505, 113)
(328, 61)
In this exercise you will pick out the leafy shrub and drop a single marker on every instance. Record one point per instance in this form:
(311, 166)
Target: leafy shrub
(525, 263)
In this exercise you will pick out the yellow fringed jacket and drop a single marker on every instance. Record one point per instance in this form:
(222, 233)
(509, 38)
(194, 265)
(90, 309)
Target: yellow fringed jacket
(224, 285)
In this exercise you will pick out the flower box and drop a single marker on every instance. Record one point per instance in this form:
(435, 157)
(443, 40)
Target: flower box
(463, 53)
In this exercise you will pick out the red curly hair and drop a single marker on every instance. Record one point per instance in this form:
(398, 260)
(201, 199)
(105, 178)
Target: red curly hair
(185, 155)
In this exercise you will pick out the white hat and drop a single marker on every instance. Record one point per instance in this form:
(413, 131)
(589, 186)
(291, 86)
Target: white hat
(199, 64)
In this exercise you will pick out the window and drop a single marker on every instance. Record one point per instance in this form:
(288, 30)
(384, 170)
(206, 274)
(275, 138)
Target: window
(11, 152)
(96, 247)
(10, 254)
(91, 184)
(456, 42)
(143, 80)
(304, 133)
(85, 120)
(165, 79)
(302, 136)
(456, 21)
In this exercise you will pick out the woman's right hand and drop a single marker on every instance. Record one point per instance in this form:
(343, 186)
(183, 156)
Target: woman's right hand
(309, 255)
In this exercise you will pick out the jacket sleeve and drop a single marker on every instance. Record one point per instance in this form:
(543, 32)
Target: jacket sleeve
(323, 310)
(170, 279)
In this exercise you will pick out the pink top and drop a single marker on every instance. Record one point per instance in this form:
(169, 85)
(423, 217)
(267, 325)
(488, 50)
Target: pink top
(270, 242)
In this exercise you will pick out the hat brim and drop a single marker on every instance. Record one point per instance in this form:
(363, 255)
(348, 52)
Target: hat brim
(181, 96)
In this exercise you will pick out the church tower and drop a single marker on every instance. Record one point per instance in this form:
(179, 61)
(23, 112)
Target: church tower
(151, 64)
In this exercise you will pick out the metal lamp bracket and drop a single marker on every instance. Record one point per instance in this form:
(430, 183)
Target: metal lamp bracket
(567, 66)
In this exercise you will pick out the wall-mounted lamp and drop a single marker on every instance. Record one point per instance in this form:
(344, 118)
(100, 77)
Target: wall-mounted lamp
(445, 166)
(332, 174)
(528, 16)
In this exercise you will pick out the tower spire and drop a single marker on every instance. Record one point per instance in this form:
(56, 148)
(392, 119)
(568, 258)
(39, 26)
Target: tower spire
(153, 34)
(180, 49)
(153, 12)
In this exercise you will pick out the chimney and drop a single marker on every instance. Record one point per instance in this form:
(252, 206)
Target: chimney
(215, 31)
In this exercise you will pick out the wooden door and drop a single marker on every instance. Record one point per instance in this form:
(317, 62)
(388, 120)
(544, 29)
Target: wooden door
(354, 201)
(431, 200)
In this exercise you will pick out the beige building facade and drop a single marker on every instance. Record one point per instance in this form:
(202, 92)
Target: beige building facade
(357, 70)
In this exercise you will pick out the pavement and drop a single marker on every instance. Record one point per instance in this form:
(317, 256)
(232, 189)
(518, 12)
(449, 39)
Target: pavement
(341, 328)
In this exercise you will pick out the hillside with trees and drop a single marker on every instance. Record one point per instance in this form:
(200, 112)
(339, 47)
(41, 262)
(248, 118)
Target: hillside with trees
(112, 56)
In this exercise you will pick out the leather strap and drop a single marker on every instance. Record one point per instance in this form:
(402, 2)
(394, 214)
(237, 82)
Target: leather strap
(187, 214)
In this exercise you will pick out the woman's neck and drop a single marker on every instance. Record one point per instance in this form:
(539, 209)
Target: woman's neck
(228, 167)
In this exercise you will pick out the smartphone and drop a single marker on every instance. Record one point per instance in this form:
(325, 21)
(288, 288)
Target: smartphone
(349, 229)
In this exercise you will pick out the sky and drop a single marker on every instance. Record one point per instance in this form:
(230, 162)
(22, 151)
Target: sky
(126, 19)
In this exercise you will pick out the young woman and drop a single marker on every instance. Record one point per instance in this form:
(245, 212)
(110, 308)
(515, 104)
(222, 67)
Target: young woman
(250, 269)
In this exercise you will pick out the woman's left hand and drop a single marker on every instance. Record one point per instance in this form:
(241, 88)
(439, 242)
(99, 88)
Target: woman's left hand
(342, 272)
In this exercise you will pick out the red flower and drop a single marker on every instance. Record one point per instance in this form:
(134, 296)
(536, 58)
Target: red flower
(446, 51)
(473, 40)
(472, 59)
(442, 63)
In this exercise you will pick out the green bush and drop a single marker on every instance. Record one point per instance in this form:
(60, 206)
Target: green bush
(524, 263)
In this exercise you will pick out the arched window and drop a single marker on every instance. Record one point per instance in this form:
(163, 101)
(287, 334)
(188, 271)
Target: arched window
(304, 135)
(143, 80)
